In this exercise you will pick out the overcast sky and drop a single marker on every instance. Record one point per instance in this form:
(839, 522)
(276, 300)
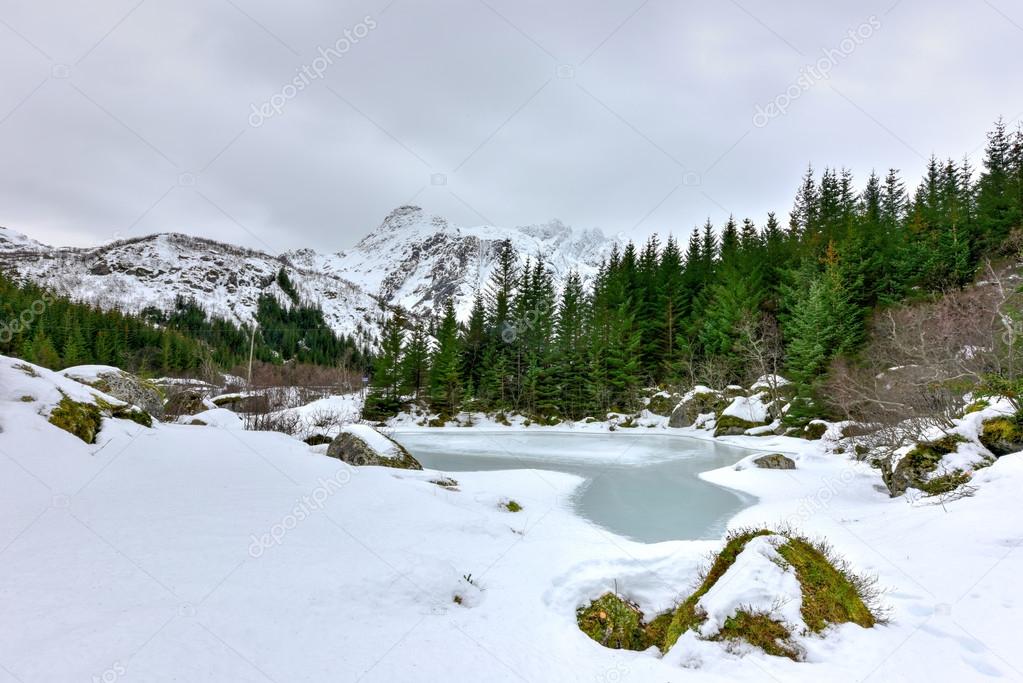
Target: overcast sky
(281, 125)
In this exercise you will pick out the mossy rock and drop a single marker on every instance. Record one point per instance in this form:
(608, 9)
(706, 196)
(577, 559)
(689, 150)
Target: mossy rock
(184, 401)
(1003, 435)
(734, 391)
(352, 449)
(686, 616)
(317, 440)
(617, 623)
(730, 425)
(685, 413)
(814, 431)
(84, 420)
(914, 468)
(831, 595)
(660, 404)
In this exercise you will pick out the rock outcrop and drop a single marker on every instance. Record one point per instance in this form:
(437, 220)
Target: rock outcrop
(361, 445)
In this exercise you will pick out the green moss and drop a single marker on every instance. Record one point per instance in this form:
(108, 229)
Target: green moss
(930, 453)
(686, 617)
(729, 424)
(814, 431)
(659, 404)
(976, 406)
(830, 594)
(84, 420)
(760, 630)
(1003, 435)
(512, 506)
(125, 412)
(614, 622)
(945, 483)
(27, 399)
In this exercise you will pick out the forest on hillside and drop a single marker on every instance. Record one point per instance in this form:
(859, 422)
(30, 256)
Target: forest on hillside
(57, 332)
(726, 306)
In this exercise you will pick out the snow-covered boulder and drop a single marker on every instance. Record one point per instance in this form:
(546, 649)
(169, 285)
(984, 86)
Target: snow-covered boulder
(221, 418)
(363, 445)
(662, 403)
(741, 414)
(67, 404)
(699, 400)
(119, 384)
(934, 467)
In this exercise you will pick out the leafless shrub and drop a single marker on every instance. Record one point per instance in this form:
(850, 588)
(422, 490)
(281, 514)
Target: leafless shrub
(286, 422)
(760, 346)
(922, 358)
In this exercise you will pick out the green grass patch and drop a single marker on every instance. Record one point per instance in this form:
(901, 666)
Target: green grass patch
(831, 594)
(617, 623)
(512, 506)
(84, 420)
(760, 630)
(945, 483)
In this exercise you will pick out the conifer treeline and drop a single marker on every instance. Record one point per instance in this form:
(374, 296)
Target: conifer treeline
(794, 295)
(56, 332)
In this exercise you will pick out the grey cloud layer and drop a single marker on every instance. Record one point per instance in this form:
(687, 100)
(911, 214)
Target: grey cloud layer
(125, 118)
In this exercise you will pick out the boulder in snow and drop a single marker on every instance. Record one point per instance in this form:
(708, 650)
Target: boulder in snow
(775, 461)
(362, 445)
(698, 401)
(119, 384)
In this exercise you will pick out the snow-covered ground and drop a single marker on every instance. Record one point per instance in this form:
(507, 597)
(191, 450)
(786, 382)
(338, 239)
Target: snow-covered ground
(201, 553)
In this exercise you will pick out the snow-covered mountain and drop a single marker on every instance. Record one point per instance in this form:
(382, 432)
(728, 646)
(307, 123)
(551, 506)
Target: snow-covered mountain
(417, 261)
(411, 260)
(225, 280)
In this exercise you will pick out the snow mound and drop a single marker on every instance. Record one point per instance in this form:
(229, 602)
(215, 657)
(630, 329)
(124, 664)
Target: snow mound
(751, 409)
(759, 581)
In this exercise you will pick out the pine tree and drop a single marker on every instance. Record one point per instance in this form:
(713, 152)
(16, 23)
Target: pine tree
(822, 321)
(445, 377)
(415, 362)
(384, 395)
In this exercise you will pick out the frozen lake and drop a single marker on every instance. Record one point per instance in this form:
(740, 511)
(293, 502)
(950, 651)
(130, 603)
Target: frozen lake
(642, 486)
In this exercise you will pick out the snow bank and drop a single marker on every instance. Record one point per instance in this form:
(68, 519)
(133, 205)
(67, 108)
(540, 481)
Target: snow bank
(185, 553)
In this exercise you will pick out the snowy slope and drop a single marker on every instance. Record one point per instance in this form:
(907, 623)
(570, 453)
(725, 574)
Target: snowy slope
(225, 280)
(201, 554)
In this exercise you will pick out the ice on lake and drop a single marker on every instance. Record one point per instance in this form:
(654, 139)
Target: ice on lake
(641, 486)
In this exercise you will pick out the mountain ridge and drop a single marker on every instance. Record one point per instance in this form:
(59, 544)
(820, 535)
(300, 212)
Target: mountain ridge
(412, 260)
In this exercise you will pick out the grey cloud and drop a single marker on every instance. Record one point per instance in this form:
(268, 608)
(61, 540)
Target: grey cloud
(632, 117)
